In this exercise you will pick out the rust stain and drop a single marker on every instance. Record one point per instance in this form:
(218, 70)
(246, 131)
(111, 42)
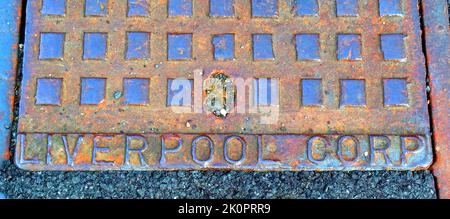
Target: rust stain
(329, 88)
(437, 43)
(10, 37)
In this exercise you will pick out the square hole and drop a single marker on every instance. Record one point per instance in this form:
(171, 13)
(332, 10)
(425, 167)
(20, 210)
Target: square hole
(179, 92)
(393, 46)
(48, 91)
(95, 45)
(53, 7)
(138, 45)
(180, 8)
(353, 93)
(179, 46)
(223, 47)
(349, 47)
(265, 92)
(96, 7)
(137, 8)
(390, 7)
(347, 7)
(92, 91)
(306, 7)
(307, 46)
(395, 92)
(52, 46)
(311, 92)
(262, 47)
(264, 8)
(221, 8)
(136, 91)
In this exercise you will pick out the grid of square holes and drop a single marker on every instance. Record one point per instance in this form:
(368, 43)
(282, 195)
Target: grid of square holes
(248, 27)
(180, 45)
(222, 8)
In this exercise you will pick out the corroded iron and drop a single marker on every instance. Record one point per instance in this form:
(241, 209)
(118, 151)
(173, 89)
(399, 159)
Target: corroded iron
(436, 27)
(9, 45)
(318, 85)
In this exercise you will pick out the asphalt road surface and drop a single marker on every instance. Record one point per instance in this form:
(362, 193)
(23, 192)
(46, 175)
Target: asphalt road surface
(16, 183)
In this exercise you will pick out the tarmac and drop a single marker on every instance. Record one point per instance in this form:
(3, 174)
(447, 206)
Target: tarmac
(19, 184)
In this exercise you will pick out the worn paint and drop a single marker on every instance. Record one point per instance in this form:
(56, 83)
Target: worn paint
(352, 118)
(9, 38)
(435, 14)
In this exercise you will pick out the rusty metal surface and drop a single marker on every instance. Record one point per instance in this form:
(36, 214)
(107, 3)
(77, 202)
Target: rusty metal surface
(9, 44)
(437, 47)
(317, 86)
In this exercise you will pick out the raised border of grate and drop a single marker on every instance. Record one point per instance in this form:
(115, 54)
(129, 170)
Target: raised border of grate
(116, 139)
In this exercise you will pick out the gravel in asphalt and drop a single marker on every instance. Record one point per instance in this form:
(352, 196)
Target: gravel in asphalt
(16, 183)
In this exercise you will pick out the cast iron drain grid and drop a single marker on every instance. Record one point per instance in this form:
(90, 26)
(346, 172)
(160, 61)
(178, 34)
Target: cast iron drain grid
(250, 85)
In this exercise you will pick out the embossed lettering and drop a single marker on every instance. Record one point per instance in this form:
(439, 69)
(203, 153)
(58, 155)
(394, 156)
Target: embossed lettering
(165, 150)
(22, 158)
(50, 151)
(194, 149)
(139, 151)
(226, 146)
(69, 155)
(49, 147)
(261, 159)
(97, 149)
(348, 149)
(317, 149)
(379, 145)
(409, 146)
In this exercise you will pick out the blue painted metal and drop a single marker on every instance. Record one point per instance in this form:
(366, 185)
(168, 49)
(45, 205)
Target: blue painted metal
(263, 47)
(223, 47)
(306, 7)
(52, 46)
(53, 7)
(179, 46)
(92, 91)
(311, 92)
(95, 45)
(221, 8)
(393, 46)
(48, 91)
(347, 7)
(390, 7)
(349, 47)
(138, 8)
(180, 8)
(138, 46)
(10, 12)
(96, 7)
(395, 92)
(264, 8)
(308, 46)
(352, 93)
(136, 90)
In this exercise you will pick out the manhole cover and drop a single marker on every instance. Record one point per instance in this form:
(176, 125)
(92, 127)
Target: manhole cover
(223, 84)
